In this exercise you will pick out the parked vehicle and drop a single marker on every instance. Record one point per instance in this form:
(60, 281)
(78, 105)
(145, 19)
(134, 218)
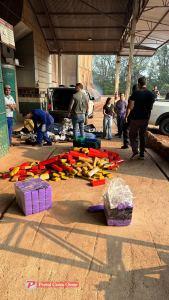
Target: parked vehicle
(160, 116)
(59, 99)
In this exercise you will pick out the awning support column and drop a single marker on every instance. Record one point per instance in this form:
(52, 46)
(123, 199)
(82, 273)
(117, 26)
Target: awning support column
(77, 68)
(131, 51)
(117, 73)
(59, 68)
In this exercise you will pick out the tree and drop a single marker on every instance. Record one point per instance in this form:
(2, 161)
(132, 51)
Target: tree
(156, 69)
(103, 72)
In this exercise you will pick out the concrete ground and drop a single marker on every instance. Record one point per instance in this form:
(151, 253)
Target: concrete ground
(66, 243)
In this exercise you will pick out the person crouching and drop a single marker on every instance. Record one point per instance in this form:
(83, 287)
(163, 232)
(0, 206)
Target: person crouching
(42, 121)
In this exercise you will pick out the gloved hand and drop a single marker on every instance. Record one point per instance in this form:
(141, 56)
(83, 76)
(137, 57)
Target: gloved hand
(43, 128)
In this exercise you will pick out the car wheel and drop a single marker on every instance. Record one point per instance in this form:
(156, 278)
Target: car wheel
(164, 126)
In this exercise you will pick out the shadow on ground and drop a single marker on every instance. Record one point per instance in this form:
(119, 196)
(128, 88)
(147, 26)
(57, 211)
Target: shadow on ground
(69, 211)
(132, 282)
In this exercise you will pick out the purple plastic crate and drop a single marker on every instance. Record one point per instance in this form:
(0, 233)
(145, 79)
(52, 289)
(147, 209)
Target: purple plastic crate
(111, 222)
(33, 195)
(119, 216)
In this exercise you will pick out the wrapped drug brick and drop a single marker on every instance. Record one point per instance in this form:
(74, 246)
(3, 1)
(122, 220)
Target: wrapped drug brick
(118, 203)
(33, 195)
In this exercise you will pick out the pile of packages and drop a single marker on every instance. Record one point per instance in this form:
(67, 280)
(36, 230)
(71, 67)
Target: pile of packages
(118, 203)
(61, 131)
(58, 132)
(91, 164)
(33, 195)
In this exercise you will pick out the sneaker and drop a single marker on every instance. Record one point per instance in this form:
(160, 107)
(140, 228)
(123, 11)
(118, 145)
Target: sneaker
(124, 147)
(141, 157)
(117, 134)
(48, 144)
(134, 155)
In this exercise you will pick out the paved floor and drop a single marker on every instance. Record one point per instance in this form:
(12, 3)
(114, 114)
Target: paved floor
(67, 243)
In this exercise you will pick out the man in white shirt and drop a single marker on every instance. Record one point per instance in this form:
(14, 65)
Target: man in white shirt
(10, 107)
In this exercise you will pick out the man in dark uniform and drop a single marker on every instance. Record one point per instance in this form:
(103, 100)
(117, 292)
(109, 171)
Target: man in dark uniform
(140, 106)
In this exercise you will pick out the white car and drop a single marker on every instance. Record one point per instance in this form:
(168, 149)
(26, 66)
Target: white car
(160, 115)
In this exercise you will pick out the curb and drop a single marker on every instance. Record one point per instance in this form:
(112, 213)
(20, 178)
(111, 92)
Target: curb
(153, 142)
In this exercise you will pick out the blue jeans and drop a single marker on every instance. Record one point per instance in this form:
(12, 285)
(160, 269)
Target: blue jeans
(78, 124)
(10, 125)
(107, 127)
(42, 136)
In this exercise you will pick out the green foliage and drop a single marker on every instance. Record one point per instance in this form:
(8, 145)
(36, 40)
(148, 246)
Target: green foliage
(156, 70)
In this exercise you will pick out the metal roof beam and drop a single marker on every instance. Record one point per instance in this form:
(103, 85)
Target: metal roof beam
(140, 47)
(84, 27)
(83, 40)
(150, 38)
(49, 21)
(151, 31)
(165, 3)
(155, 22)
(81, 13)
(167, 42)
(37, 21)
(126, 33)
(156, 30)
(85, 52)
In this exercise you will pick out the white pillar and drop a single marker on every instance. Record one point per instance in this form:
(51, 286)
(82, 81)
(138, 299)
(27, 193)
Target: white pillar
(131, 51)
(117, 73)
(77, 68)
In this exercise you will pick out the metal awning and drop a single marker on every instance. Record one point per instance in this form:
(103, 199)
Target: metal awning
(152, 30)
(83, 27)
(11, 11)
(96, 26)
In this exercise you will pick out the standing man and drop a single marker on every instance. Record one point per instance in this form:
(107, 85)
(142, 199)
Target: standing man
(140, 105)
(78, 109)
(10, 108)
(42, 121)
(126, 124)
(120, 109)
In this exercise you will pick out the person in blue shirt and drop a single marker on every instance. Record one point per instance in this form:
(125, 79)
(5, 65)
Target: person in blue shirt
(42, 121)
(120, 109)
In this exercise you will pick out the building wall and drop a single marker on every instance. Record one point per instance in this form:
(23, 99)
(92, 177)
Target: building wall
(74, 68)
(54, 59)
(69, 69)
(25, 54)
(85, 70)
(42, 58)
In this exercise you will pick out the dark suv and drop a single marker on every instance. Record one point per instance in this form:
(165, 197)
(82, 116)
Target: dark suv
(59, 99)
